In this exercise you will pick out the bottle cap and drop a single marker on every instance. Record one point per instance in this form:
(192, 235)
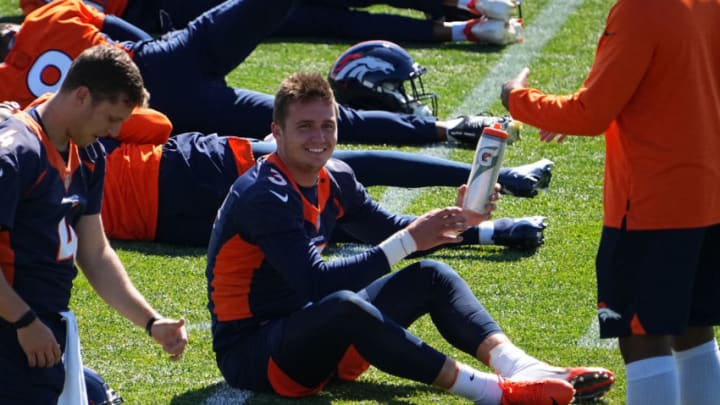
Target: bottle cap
(496, 130)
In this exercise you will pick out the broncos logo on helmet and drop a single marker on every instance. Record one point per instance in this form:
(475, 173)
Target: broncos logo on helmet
(381, 75)
(356, 66)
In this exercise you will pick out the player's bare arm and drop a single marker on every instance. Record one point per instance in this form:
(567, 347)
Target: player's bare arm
(108, 277)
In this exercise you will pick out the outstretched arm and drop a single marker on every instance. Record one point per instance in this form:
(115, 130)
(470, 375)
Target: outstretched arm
(106, 274)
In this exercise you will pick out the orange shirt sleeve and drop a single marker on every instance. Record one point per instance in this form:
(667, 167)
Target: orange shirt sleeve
(622, 58)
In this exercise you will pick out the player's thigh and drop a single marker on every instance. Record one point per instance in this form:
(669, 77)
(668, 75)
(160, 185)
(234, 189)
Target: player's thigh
(705, 306)
(646, 280)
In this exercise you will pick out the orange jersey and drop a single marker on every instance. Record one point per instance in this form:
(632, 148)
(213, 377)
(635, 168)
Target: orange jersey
(114, 7)
(48, 41)
(654, 89)
(130, 204)
(129, 209)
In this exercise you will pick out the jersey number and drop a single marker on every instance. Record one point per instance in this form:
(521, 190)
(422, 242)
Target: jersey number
(68, 241)
(48, 72)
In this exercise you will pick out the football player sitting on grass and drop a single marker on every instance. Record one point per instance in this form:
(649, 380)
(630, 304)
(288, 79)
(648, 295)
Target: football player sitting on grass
(286, 321)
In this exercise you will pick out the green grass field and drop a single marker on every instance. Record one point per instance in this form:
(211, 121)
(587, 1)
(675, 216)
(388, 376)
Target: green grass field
(544, 300)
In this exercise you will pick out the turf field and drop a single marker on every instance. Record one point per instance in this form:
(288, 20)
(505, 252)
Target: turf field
(544, 300)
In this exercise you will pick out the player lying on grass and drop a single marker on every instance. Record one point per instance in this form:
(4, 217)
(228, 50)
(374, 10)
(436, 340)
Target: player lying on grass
(286, 321)
(185, 71)
(169, 189)
(487, 21)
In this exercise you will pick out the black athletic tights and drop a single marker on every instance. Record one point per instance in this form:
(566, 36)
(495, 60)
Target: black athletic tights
(374, 321)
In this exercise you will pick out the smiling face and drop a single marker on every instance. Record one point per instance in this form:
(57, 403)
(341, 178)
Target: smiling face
(307, 138)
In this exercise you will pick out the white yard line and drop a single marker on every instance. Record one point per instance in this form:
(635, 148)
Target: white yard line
(484, 94)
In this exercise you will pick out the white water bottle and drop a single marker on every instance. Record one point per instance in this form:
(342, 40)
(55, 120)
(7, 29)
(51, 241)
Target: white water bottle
(485, 169)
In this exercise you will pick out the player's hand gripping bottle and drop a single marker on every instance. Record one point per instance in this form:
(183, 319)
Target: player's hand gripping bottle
(485, 168)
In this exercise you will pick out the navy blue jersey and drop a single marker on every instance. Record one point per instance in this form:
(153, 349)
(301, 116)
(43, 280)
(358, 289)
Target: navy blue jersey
(44, 194)
(264, 256)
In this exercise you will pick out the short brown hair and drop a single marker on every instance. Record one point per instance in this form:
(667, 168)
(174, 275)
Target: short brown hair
(109, 74)
(302, 87)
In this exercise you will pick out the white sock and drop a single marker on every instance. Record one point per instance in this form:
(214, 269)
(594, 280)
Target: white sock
(487, 230)
(508, 359)
(652, 381)
(457, 28)
(481, 388)
(699, 373)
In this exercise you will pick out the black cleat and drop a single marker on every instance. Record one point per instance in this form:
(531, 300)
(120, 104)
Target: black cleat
(520, 233)
(470, 127)
(526, 180)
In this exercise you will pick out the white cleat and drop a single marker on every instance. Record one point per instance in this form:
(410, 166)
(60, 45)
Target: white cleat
(496, 32)
(494, 9)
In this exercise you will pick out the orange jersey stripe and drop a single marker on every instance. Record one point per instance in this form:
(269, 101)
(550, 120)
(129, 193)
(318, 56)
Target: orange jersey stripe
(7, 257)
(352, 365)
(66, 170)
(284, 385)
(242, 152)
(235, 265)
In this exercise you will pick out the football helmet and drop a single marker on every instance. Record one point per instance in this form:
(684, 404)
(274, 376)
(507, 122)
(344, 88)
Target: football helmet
(98, 392)
(381, 75)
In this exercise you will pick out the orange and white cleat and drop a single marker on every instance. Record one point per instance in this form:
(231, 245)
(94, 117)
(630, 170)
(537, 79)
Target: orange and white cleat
(590, 383)
(495, 9)
(549, 391)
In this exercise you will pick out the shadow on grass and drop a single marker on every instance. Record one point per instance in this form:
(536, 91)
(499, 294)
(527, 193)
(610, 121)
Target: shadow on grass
(462, 46)
(159, 249)
(14, 19)
(486, 253)
(335, 391)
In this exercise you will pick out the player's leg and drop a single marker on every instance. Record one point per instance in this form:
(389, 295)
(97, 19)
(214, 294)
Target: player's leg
(696, 352)
(225, 35)
(196, 171)
(430, 287)
(185, 70)
(333, 21)
(403, 169)
(180, 12)
(645, 287)
(434, 288)
(378, 127)
(322, 333)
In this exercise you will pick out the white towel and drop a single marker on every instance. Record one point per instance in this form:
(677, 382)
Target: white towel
(74, 392)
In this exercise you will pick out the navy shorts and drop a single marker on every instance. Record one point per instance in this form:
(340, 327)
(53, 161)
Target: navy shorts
(658, 282)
